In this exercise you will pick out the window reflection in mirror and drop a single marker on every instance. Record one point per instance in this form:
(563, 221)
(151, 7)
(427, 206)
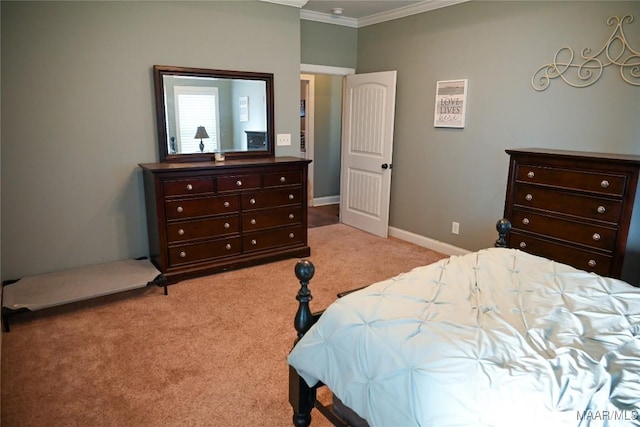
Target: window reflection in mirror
(201, 112)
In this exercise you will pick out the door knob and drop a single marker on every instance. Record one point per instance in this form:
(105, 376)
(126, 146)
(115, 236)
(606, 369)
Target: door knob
(386, 166)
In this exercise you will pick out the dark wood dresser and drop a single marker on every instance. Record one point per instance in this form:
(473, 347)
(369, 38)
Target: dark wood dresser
(579, 208)
(207, 217)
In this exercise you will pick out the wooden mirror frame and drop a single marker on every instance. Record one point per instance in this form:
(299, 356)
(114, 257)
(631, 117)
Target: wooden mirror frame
(159, 71)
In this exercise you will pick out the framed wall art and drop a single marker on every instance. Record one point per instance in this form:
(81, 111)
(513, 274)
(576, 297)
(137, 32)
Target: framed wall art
(451, 103)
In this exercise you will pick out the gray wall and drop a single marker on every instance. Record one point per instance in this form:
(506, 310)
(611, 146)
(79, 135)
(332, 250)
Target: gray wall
(443, 175)
(327, 44)
(327, 135)
(78, 113)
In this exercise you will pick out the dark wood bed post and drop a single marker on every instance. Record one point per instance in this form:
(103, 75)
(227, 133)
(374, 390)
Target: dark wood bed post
(503, 226)
(301, 396)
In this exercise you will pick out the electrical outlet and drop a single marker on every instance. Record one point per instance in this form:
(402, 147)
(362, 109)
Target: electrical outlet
(455, 227)
(284, 139)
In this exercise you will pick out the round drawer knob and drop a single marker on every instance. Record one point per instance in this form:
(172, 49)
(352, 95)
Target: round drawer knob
(290, 196)
(531, 174)
(179, 209)
(253, 221)
(226, 204)
(529, 197)
(252, 201)
(595, 237)
(181, 232)
(254, 242)
(291, 235)
(283, 179)
(522, 245)
(183, 254)
(604, 183)
(291, 216)
(226, 225)
(227, 246)
(189, 187)
(525, 221)
(239, 183)
(601, 209)
(592, 263)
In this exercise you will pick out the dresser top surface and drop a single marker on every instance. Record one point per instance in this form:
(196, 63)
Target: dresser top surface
(588, 155)
(239, 163)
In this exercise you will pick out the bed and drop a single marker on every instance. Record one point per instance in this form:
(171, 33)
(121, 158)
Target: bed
(497, 337)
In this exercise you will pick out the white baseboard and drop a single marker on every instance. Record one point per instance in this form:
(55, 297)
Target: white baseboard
(426, 242)
(328, 200)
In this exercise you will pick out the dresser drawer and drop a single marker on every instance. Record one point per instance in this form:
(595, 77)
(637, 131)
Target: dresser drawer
(204, 206)
(239, 182)
(579, 258)
(590, 207)
(195, 252)
(271, 218)
(601, 183)
(202, 229)
(184, 187)
(592, 235)
(282, 178)
(273, 238)
(273, 198)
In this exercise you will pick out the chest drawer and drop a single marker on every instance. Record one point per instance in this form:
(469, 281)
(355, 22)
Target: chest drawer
(601, 183)
(272, 218)
(273, 238)
(273, 198)
(239, 182)
(592, 235)
(282, 178)
(184, 187)
(202, 229)
(195, 252)
(590, 207)
(204, 206)
(579, 258)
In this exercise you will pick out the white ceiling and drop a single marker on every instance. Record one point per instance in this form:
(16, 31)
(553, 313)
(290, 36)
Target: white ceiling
(359, 13)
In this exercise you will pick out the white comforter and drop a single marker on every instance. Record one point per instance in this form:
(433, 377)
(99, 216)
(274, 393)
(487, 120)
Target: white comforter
(494, 338)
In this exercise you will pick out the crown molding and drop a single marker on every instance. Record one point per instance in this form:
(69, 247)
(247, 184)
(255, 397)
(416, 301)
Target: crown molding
(414, 9)
(294, 3)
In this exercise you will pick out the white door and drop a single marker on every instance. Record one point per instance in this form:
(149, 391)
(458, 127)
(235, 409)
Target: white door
(367, 147)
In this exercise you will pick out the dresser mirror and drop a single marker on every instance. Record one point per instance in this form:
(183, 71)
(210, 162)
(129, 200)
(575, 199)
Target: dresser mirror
(201, 112)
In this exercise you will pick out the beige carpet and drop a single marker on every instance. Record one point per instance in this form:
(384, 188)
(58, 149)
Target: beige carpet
(211, 353)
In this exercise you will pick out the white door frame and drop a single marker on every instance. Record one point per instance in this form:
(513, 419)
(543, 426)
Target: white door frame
(306, 69)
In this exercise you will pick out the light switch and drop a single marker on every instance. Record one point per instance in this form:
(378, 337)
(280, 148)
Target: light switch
(284, 139)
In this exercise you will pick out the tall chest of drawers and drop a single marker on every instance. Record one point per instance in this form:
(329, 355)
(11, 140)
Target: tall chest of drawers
(208, 217)
(578, 208)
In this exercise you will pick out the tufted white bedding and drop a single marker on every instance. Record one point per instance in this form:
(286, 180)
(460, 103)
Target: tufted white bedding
(493, 338)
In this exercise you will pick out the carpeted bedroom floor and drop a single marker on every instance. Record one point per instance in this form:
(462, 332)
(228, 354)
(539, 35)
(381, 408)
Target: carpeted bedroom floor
(211, 353)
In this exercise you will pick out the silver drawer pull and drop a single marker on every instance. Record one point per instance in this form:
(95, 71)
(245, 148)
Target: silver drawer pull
(604, 183)
(183, 254)
(254, 242)
(529, 197)
(227, 246)
(189, 187)
(525, 221)
(252, 201)
(226, 204)
(522, 245)
(595, 237)
(239, 183)
(592, 263)
(253, 221)
(291, 216)
(283, 179)
(181, 232)
(290, 196)
(179, 209)
(601, 209)
(226, 225)
(291, 235)
(531, 174)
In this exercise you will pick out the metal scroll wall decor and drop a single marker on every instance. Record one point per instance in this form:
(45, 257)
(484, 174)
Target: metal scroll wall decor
(616, 51)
